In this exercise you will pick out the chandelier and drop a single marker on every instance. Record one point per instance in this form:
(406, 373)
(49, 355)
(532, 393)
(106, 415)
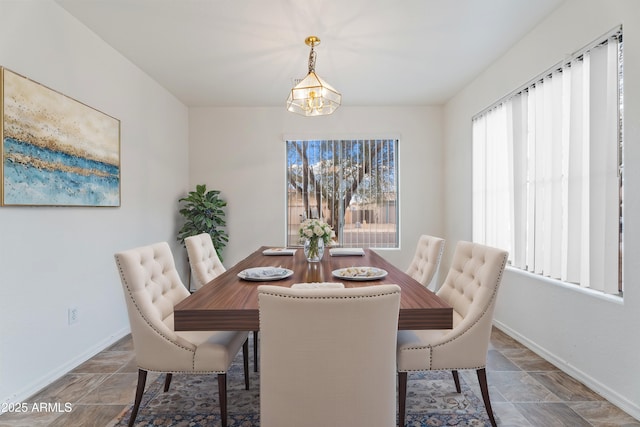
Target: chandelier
(313, 96)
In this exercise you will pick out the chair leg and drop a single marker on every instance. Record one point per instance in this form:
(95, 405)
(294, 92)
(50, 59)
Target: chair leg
(402, 397)
(245, 359)
(484, 388)
(167, 381)
(255, 351)
(142, 379)
(222, 392)
(456, 379)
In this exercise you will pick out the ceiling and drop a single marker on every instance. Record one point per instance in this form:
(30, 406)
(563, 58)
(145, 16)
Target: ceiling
(248, 52)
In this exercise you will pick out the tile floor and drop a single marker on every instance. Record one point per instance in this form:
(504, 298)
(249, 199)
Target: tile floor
(525, 391)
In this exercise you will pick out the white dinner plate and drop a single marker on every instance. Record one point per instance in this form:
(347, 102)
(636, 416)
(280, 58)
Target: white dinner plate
(360, 273)
(264, 274)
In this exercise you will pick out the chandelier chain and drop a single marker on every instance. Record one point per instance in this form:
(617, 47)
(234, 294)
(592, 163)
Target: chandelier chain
(312, 60)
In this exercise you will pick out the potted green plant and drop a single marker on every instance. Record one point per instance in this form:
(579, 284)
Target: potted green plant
(203, 213)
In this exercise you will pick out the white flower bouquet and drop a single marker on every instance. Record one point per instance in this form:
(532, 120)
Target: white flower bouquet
(311, 232)
(315, 229)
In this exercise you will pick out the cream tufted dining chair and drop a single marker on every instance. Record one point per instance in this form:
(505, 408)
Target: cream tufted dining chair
(471, 288)
(206, 266)
(426, 259)
(152, 288)
(203, 259)
(328, 356)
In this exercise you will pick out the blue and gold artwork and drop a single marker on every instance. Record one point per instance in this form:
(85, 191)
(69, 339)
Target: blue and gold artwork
(56, 151)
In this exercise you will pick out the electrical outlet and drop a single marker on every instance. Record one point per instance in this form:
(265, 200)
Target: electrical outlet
(74, 315)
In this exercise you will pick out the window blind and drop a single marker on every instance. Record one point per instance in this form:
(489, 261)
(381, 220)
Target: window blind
(547, 177)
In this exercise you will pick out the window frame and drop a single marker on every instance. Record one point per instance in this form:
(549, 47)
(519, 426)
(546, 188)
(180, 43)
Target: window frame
(377, 237)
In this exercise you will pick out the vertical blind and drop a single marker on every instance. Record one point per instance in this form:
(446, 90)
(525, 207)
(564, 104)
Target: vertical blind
(547, 170)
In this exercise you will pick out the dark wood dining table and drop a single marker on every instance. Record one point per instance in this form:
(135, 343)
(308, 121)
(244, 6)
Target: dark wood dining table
(229, 303)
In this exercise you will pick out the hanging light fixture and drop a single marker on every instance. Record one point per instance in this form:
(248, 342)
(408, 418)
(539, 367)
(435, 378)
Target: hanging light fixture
(313, 96)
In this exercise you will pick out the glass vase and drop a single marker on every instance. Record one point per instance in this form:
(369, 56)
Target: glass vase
(314, 249)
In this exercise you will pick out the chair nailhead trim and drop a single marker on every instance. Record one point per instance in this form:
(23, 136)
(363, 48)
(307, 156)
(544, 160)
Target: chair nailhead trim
(331, 297)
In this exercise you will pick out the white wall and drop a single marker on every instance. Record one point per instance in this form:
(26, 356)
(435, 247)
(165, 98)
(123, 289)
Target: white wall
(240, 151)
(55, 258)
(592, 338)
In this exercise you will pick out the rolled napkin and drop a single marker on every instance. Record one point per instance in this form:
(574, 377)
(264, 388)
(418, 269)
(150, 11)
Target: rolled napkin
(317, 285)
(346, 251)
(279, 251)
(264, 272)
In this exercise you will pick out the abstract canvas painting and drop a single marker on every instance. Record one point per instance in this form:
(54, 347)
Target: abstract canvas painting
(56, 151)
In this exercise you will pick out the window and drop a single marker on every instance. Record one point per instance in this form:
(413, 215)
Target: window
(351, 184)
(548, 171)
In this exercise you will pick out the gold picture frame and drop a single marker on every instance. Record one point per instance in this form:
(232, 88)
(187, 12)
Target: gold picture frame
(55, 150)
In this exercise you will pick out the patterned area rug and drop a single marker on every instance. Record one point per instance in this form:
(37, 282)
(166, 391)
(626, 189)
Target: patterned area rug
(192, 400)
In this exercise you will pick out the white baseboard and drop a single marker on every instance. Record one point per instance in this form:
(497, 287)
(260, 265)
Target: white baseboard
(604, 391)
(30, 389)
